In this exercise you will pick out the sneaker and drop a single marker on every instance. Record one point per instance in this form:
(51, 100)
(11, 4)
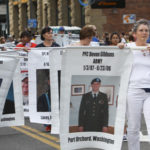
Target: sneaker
(125, 137)
(48, 128)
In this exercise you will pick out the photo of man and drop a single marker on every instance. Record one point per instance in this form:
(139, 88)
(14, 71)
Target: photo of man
(1, 82)
(93, 111)
(44, 99)
(44, 103)
(25, 88)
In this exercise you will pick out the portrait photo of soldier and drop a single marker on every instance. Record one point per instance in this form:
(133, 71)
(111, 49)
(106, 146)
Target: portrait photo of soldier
(93, 110)
(43, 91)
(25, 86)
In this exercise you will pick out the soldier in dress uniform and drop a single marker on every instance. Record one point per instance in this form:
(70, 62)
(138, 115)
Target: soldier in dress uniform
(93, 112)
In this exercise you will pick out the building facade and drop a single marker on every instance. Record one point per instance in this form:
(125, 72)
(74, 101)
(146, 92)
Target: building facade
(3, 18)
(71, 13)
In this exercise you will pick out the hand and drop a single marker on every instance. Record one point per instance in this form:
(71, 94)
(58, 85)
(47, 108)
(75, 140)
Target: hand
(81, 129)
(3, 49)
(121, 45)
(145, 51)
(148, 48)
(26, 49)
(105, 129)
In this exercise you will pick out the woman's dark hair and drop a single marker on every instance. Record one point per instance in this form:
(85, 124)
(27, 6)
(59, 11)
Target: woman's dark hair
(25, 34)
(46, 29)
(115, 33)
(131, 38)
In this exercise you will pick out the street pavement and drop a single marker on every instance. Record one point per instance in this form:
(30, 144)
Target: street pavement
(29, 137)
(34, 137)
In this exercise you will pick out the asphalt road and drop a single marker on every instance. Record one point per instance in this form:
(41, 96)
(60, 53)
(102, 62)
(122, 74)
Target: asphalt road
(29, 137)
(34, 137)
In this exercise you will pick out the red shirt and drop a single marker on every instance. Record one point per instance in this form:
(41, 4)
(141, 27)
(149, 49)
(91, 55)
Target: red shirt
(31, 45)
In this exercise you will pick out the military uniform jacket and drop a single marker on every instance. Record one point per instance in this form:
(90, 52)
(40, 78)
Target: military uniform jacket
(93, 112)
(44, 103)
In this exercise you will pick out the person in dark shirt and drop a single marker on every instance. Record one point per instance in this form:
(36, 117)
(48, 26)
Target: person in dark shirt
(46, 37)
(44, 102)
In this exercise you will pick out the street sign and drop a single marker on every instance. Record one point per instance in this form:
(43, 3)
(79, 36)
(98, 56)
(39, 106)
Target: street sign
(32, 23)
(129, 18)
(108, 4)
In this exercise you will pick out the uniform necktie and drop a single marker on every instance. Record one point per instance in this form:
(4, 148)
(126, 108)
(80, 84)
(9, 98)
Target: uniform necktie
(94, 96)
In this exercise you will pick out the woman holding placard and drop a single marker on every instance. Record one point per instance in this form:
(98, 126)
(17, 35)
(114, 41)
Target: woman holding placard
(138, 98)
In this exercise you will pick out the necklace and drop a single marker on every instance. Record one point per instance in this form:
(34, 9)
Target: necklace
(145, 52)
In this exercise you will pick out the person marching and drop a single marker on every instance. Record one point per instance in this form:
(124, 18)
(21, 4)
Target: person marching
(26, 40)
(114, 39)
(47, 38)
(86, 35)
(138, 98)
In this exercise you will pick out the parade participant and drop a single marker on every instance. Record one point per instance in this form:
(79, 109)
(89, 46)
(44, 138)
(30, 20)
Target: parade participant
(131, 38)
(86, 35)
(96, 37)
(2, 40)
(61, 30)
(138, 99)
(114, 39)
(25, 40)
(93, 112)
(46, 36)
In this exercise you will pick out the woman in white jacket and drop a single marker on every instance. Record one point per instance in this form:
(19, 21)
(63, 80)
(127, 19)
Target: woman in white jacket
(138, 99)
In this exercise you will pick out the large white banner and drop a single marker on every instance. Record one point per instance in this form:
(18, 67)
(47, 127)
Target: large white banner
(24, 75)
(98, 123)
(39, 86)
(12, 110)
(7, 67)
(55, 57)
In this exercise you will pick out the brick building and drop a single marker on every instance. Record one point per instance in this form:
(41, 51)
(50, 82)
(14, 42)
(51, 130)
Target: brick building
(71, 13)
